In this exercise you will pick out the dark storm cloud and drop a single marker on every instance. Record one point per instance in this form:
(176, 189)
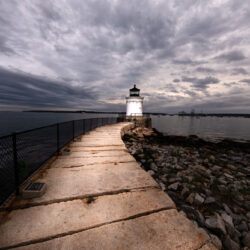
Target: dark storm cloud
(229, 84)
(187, 62)
(18, 88)
(4, 46)
(226, 104)
(100, 48)
(239, 71)
(202, 83)
(231, 56)
(176, 80)
(207, 24)
(191, 93)
(170, 88)
(131, 26)
(205, 70)
(245, 80)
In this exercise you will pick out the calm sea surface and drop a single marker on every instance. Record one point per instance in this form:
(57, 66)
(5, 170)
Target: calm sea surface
(18, 121)
(210, 128)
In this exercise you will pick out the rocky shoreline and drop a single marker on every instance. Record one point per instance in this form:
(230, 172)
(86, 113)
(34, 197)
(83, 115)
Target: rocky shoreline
(209, 182)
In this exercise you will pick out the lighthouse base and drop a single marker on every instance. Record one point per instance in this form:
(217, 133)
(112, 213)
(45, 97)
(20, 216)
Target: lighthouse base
(140, 121)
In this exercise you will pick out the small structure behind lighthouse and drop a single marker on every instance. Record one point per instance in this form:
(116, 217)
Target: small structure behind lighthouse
(134, 102)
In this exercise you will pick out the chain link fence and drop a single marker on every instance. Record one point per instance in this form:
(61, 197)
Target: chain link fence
(22, 153)
(7, 173)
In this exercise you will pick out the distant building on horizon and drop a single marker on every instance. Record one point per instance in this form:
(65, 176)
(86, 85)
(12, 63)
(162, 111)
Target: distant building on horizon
(134, 102)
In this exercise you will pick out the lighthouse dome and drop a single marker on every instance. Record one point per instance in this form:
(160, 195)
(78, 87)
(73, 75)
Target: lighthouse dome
(134, 91)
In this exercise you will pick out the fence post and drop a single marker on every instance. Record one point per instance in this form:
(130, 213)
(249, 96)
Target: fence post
(15, 163)
(73, 129)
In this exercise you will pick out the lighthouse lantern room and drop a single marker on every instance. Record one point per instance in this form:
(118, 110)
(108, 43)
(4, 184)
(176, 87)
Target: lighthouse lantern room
(134, 102)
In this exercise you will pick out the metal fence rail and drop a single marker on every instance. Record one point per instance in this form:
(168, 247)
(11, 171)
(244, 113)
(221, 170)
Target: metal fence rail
(22, 153)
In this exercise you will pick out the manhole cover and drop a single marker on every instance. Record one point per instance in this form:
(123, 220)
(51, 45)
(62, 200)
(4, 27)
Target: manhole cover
(34, 186)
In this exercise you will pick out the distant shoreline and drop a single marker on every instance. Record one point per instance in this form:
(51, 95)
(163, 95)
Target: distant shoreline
(73, 111)
(87, 111)
(146, 113)
(217, 115)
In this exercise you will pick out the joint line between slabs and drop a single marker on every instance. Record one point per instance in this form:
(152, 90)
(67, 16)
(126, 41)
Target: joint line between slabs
(95, 195)
(88, 228)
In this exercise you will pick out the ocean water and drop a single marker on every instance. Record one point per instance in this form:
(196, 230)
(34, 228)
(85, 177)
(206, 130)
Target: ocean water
(18, 121)
(209, 128)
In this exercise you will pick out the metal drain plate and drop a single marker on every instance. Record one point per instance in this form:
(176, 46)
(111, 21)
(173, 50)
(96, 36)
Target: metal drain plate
(35, 186)
(33, 190)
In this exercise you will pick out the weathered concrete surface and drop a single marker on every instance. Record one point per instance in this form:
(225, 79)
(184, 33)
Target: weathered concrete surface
(73, 181)
(63, 161)
(166, 230)
(97, 153)
(96, 143)
(84, 213)
(98, 197)
(75, 148)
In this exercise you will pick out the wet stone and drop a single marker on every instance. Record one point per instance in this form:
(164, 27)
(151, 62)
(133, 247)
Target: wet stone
(230, 244)
(227, 219)
(216, 223)
(208, 181)
(210, 200)
(246, 240)
(174, 186)
(242, 227)
(198, 199)
(216, 241)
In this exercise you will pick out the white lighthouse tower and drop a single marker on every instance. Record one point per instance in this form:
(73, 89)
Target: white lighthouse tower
(134, 102)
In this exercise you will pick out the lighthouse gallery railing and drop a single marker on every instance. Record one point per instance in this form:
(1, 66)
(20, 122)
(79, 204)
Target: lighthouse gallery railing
(22, 153)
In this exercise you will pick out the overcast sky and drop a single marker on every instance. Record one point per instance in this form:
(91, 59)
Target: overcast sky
(84, 54)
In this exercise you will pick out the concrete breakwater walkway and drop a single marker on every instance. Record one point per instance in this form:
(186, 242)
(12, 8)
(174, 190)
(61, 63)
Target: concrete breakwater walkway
(98, 197)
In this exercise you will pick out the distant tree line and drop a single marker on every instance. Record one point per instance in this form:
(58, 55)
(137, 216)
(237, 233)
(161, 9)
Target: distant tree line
(193, 113)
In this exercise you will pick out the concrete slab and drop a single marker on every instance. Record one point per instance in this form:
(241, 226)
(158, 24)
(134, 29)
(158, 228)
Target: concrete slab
(84, 145)
(101, 136)
(78, 182)
(96, 144)
(93, 138)
(100, 148)
(63, 161)
(78, 215)
(166, 230)
(120, 153)
(107, 128)
(101, 142)
(100, 133)
(107, 131)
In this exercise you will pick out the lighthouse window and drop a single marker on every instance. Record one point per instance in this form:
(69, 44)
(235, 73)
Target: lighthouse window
(134, 93)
